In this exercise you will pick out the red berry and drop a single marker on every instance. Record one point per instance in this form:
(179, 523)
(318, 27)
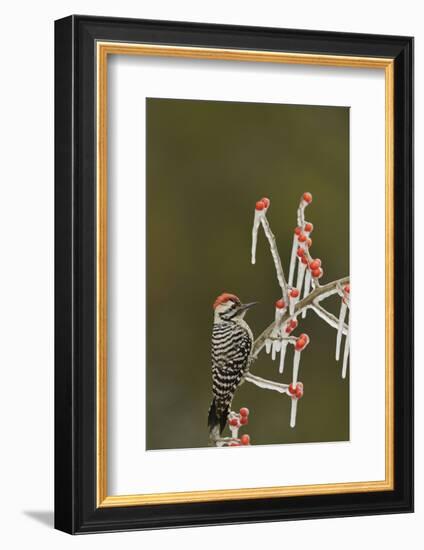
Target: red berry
(298, 230)
(309, 227)
(300, 344)
(244, 411)
(347, 289)
(299, 392)
(266, 201)
(315, 264)
(317, 272)
(288, 329)
(293, 324)
(260, 205)
(244, 420)
(245, 439)
(300, 252)
(304, 260)
(233, 422)
(302, 238)
(294, 293)
(292, 389)
(280, 304)
(307, 197)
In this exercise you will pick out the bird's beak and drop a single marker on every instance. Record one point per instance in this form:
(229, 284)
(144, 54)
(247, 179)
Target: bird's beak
(243, 307)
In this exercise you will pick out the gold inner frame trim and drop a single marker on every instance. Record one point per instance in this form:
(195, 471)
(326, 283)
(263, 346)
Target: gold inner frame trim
(104, 49)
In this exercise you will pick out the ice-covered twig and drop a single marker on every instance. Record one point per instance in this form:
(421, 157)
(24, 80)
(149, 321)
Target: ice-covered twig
(275, 256)
(328, 317)
(259, 213)
(293, 257)
(293, 299)
(304, 201)
(306, 289)
(300, 276)
(266, 384)
(260, 219)
(316, 296)
(301, 344)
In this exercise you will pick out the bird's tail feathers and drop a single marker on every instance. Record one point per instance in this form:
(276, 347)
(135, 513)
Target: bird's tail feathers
(217, 418)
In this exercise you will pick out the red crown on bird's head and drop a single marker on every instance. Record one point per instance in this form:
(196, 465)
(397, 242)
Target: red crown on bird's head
(224, 297)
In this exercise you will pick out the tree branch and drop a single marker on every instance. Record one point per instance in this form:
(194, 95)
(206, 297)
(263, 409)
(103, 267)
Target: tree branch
(266, 384)
(328, 317)
(317, 295)
(275, 256)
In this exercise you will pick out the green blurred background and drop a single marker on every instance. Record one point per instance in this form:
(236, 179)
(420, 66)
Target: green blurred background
(208, 163)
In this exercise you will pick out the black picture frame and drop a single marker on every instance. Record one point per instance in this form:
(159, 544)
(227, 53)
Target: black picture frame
(76, 510)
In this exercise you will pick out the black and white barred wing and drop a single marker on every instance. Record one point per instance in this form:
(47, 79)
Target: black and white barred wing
(231, 346)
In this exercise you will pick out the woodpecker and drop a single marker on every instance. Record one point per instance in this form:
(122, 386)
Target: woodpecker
(232, 342)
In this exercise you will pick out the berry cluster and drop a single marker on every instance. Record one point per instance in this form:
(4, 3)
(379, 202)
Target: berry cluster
(235, 422)
(304, 242)
(290, 326)
(296, 390)
(262, 204)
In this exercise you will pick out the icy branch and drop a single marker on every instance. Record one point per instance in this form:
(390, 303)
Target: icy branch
(266, 384)
(296, 301)
(275, 256)
(316, 296)
(328, 317)
(260, 218)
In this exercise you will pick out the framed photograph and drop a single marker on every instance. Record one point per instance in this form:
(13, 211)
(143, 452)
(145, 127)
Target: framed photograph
(234, 272)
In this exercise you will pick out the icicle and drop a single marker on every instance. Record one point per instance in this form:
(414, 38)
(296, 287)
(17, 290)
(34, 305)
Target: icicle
(300, 275)
(306, 289)
(284, 344)
(342, 316)
(280, 310)
(296, 362)
(346, 353)
(256, 223)
(293, 412)
(293, 259)
(276, 347)
(293, 299)
(268, 344)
